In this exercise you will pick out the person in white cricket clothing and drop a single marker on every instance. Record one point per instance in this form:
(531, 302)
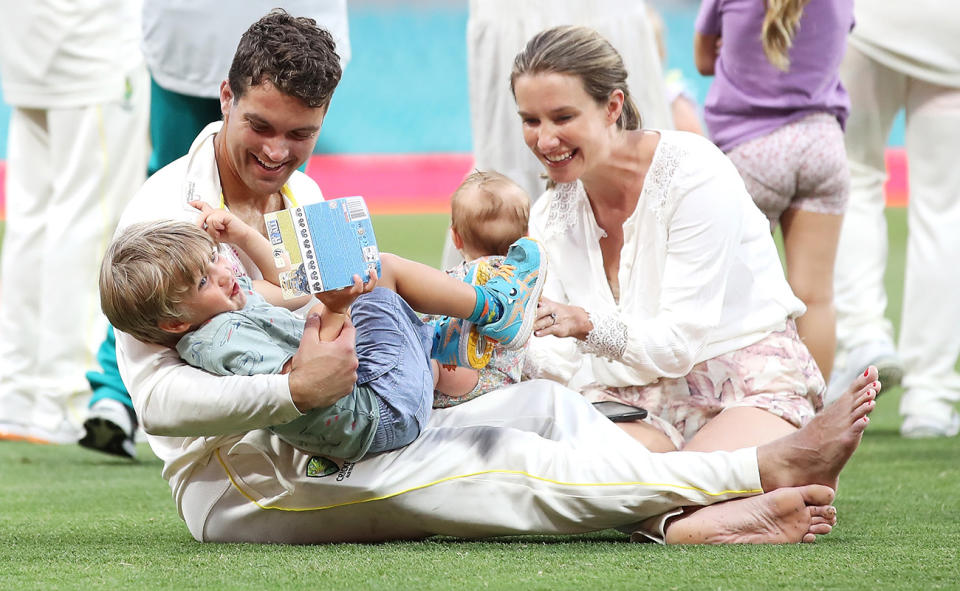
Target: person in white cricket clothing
(903, 56)
(77, 150)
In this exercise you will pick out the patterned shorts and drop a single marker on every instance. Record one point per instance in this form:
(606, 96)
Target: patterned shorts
(802, 165)
(777, 374)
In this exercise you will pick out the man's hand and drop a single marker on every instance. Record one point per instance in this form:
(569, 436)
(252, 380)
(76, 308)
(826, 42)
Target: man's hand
(322, 373)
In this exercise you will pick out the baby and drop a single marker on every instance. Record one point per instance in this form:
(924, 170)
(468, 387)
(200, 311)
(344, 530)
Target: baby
(489, 212)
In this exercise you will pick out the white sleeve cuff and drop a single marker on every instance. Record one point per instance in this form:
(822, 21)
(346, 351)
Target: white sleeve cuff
(608, 339)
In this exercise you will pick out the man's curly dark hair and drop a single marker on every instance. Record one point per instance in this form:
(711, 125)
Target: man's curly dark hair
(293, 53)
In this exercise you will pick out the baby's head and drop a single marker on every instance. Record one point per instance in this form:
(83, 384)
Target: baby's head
(489, 212)
(159, 280)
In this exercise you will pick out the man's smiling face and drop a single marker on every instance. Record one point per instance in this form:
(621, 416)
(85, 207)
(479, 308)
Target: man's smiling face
(266, 135)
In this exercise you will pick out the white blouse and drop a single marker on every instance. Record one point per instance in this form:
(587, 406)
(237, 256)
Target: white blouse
(699, 272)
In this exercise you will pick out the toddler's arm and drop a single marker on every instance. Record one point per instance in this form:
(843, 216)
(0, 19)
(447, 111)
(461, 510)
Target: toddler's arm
(706, 48)
(223, 226)
(335, 305)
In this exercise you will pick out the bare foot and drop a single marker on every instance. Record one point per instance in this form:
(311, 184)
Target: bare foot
(784, 516)
(816, 453)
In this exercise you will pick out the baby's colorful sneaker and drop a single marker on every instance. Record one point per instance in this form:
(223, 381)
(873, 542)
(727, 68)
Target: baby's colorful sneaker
(458, 343)
(517, 284)
(481, 270)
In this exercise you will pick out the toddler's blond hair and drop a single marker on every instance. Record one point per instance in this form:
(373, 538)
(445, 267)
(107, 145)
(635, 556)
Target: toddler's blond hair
(147, 272)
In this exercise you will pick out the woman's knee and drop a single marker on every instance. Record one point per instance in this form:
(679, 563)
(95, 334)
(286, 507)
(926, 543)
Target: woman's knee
(815, 292)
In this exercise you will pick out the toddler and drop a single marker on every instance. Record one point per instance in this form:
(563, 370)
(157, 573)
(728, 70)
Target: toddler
(777, 108)
(170, 283)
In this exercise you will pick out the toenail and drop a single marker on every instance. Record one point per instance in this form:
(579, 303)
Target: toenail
(866, 371)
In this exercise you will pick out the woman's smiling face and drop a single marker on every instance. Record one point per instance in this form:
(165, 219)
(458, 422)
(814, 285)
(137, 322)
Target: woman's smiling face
(564, 127)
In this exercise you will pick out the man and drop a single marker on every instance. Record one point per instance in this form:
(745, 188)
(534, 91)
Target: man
(534, 458)
(903, 56)
(78, 149)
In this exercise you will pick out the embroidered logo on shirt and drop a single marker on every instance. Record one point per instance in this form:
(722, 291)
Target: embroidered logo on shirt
(318, 467)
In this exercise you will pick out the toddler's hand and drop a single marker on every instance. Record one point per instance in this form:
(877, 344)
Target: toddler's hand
(339, 301)
(220, 224)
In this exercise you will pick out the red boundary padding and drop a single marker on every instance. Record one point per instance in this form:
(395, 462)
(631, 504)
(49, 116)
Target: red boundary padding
(896, 188)
(422, 183)
(393, 183)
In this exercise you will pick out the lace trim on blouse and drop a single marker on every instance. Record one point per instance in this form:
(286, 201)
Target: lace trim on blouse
(660, 176)
(607, 339)
(562, 215)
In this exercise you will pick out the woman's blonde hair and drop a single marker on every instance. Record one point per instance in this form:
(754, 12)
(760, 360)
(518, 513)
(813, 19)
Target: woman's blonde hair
(147, 272)
(779, 26)
(582, 52)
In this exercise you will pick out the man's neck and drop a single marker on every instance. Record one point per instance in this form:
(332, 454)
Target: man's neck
(251, 212)
(243, 203)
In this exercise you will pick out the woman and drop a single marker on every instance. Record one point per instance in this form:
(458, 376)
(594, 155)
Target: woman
(664, 280)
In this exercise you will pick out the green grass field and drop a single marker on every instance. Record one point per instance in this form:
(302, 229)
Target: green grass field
(73, 519)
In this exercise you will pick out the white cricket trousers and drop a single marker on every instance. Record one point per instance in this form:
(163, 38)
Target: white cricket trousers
(531, 458)
(929, 337)
(70, 172)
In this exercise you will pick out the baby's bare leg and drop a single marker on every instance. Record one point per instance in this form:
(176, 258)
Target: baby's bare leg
(455, 381)
(427, 290)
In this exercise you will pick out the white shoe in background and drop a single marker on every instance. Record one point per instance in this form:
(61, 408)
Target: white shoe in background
(850, 364)
(942, 421)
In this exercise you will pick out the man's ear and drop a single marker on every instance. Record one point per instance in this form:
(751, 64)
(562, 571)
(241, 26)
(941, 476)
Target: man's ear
(173, 326)
(226, 97)
(457, 240)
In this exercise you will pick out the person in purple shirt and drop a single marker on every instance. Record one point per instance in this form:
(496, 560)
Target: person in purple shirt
(777, 108)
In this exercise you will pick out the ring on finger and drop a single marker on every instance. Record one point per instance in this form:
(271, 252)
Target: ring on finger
(553, 317)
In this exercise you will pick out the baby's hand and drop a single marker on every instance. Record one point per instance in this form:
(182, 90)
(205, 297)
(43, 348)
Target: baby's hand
(220, 224)
(339, 301)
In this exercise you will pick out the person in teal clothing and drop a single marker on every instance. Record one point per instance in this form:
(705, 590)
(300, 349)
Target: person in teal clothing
(111, 430)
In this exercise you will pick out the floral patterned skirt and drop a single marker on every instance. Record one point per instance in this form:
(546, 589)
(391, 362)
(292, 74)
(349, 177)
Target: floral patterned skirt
(777, 374)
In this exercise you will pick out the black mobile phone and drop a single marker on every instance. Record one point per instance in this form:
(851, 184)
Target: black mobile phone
(618, 412)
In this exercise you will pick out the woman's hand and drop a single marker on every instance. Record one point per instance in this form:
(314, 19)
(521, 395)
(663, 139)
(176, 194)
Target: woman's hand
(561, 320)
